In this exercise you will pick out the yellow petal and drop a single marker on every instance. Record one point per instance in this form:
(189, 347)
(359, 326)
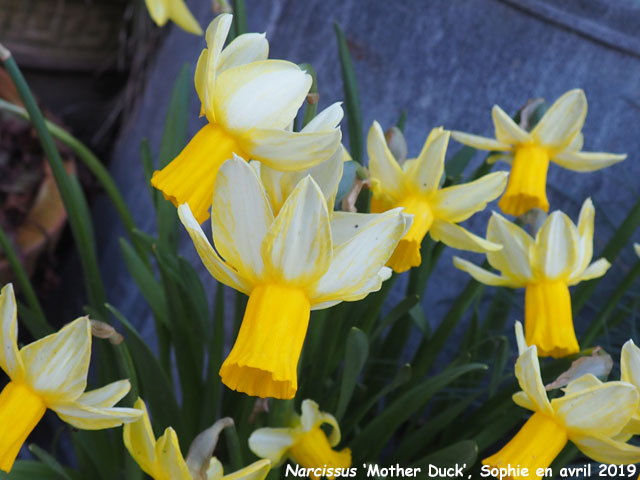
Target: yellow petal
(522, 400)
(481, 143)
(600, 410)
(312, 450)
(242, 217)
(585, 233)
(607, 450)
(636, 247)
(630, 364)
(455, 236)
(10, 359)
(312, 417)
(513, 260)
(507, 131)
(256, 471)
(584, 382)
(106, 396)
(384, 169)
(158, 10)
(586, 161)
(86, 417)
(220, 270)
(180, 14)
(139, 439)
(528, 374)
(265, 94)
(560, 124)
(557, 247)
(169, 457)
(57, 365)
(595, 270)
(482, 275)
(426, 172)
(458, 203)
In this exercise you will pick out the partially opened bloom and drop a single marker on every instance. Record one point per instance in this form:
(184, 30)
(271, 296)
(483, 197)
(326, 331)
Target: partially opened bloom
(288, 264)
(250, 103)
(162, 11)
(590, 414)
(555, 138)
(416, 186)
(51, 373)
(162, 459)
(304, 442)
(558, 257)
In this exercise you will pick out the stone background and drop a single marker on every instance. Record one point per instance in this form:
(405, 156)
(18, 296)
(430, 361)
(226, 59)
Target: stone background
(446, 63)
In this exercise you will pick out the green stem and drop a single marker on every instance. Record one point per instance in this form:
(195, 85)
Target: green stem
(70, 191)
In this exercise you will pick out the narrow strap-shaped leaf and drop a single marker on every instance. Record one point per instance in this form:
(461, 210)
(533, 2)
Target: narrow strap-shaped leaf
(356, 355)
(463, 453)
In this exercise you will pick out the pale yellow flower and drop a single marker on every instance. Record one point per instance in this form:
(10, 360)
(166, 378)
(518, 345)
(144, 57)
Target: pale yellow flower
(591, 414)
(162, 11)
(416, 186)
(288, 263)
(304, 443)
(51, 373)
(556, 138)
(250, 103)
(559, 257)
(162, 459)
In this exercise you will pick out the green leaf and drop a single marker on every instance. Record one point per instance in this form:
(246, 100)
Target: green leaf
(375, 435)
(420, 319)
(155, 387)
(148, 168)
(216, 350)
(455, 166)
(395, 314)
(49, 461)
(31, 470)
(311, 106)
(462, 453)
(499, 365)
(356, 355)
(352, 98)
(402, 121)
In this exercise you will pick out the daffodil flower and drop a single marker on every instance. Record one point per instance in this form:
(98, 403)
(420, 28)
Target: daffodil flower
(162, 11)
(589, 414)
(250, 103)
(558, 257)
(162, 459)
(416, 186)
(636, 247)
(304, 443)
(288, 264)
(555, 138)
(630, 373)
(51, 373)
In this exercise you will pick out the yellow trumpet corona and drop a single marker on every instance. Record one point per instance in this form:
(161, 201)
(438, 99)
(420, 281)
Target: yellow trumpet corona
(556, 138)
(289, 263)
(51, 373)
(559, 257)
(415, 186)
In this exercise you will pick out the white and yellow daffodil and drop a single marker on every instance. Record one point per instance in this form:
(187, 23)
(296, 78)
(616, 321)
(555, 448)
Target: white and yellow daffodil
(558, 257)
(288, 264)
(556, 138)
(590, 414)
(636, 247)
(162, 11)
(51, 373)
(304, 443)
(250, 103)
(162, 459)
(416, 186)
(630, 373)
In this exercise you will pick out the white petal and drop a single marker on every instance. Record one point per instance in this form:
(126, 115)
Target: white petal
(327, 119)
(595, 270)
(297, 247)
(636, 247)
(86, 417)
(290, 151)
(344, 225)
(265, 94)
(584, 382)
(559, 125)
(630, 364)
(482, 275)
(312, 417)
(214, 264)
(106, 396)
(520, 340)
(245, 48)
(522, 400)
(10, 359)
(528, 375)
(481, 143)
(215, 470)
(382, 165)
(606, 450)
(600, 410)
(455, 236)
(57, 365)
(508, 131)
(358, 260)
(585, 234)
(458, 203)
(557, 246)
(514, 258)
(272, 443)
(241, 218)
(426, 172)
(586, 161)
